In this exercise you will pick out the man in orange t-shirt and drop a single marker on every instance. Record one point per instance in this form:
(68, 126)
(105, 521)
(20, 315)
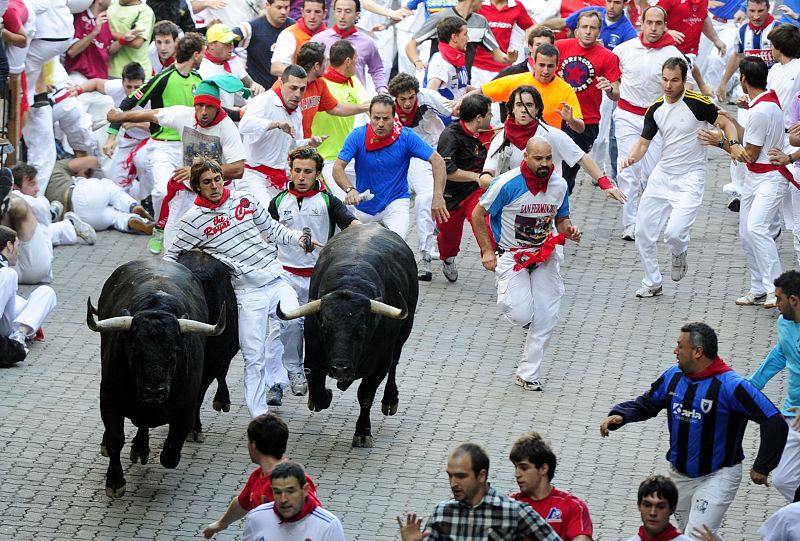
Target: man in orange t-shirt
(311, 57)
(560, 100)
(291, 39)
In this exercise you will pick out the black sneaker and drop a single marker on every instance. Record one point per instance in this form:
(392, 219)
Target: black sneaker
(275, 395)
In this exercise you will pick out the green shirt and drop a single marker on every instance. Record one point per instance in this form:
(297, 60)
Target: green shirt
(337, 128)
(123, 19)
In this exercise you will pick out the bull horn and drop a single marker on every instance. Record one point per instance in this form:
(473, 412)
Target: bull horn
(305, 310)
(122, 323)
(377, 307)
(190, 326)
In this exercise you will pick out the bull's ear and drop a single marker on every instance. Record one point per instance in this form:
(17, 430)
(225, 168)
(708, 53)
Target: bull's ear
(185, 315)
(125, 312)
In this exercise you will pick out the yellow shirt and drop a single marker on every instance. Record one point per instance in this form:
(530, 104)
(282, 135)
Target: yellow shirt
(553, 93)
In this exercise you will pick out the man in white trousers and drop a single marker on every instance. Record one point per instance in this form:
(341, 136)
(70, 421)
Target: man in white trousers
(419, 109)
(529, 211)
(20, 318)
(674, 190)
(229, 226)
(640, 61)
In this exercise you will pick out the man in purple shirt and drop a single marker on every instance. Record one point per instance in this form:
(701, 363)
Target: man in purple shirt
(345, 13)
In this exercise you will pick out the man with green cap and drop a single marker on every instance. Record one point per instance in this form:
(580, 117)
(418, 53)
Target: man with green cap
(205, 130)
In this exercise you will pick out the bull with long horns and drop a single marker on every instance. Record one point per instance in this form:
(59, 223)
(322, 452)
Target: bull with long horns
(152, 332)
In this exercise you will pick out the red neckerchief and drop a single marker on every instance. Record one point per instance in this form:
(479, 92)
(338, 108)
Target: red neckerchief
(519, 134)
(285, 105)
(534, 183)
(221, 115)
(714, 369)
(201, 201)
(168, 62)
(335, 77)
(308, 507)
(224, 63)
(344, 33)
(453, 56)
(407, 119)
(524, 258)
(373, 142)
(531, 65)
(313, 191)
(758, 29)
(301, 24)
(769, 96)
(467, 130)
(662, 42)
(670, 532)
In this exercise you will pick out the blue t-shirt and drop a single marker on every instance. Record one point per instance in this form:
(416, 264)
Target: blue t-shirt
(384, 172)
(611, 35)
(729, 8)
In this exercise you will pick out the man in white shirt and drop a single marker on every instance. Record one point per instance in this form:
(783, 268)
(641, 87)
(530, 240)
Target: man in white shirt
(675, 188)
(293, 515)
(220, 60)
(640, 61)
(271, 128)
(764, 185)
(229, 226)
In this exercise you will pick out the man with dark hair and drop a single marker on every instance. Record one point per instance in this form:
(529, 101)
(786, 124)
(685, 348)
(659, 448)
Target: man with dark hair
(231, 227)
(560, 101)
(786, 354)
(674, 190)
(477, 511)
(162, 48)
(708, 406)
(420, 109)
(656, 500)
(289, 42)
(294, 514)
(764, 184)
(346, 88)
(534, 468)
(271, 128)
(382, 151)
(20, 318)
(345, 15)
(447, 70)
(92, 43)
(267, 438)
(173, 86)
(259, 37)
(463, 153)
(317, 97)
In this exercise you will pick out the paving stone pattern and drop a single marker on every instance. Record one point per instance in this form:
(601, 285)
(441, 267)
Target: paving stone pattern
(456, 385)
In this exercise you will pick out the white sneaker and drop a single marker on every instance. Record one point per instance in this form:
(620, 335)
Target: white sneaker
(529, 385)
(449, 269)
(751, 300)
(85, 231)
(629, 233)
(645, 292)
(298, 383)
(679, 266)
(771, 301)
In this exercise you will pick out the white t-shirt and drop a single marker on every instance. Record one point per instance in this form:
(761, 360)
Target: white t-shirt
(429, 126)
(265, 146)
(564, 150)
(764, 127)
(220, 142)
(210, 69)
(641, 71)
(263, 524)
(285, 47)
(784, 525)
(114, 90)
(454, 81)
(678, 123)
(784, 80)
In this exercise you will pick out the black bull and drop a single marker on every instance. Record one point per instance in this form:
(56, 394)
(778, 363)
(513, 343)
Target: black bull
(362, 298)
(156, 361)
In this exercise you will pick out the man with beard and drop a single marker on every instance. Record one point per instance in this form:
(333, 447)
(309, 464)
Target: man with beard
(205, 130)
(477, 511)
(529, 211)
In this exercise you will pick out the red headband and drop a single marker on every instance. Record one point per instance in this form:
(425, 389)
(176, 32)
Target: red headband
(208, 99)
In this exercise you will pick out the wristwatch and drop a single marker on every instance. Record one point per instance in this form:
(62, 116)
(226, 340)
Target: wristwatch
(350, 189)
(734, 142)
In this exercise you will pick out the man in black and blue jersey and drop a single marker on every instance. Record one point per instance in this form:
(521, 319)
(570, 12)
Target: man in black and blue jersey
(708, 406)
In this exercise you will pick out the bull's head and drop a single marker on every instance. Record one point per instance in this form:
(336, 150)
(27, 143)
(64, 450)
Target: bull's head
(347, 321)
(155, 341)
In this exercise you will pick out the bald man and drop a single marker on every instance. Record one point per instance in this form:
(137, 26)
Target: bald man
(529, 210)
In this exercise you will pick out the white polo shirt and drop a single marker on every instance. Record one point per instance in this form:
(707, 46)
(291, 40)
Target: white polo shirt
(262, 145)
(264, 524)
(641, 71)
(764, 127)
